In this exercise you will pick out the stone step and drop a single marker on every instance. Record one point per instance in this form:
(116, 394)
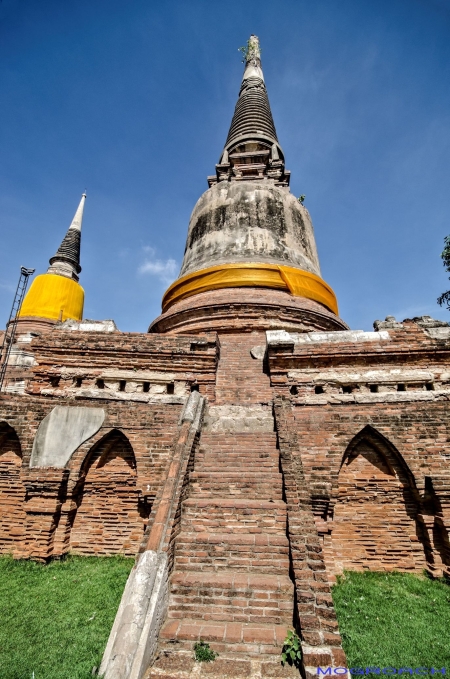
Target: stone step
(231, 461)
(234, 582)
(212, 462)
(258, 542)
(238, 451)
(233, 473)
(234, 441)
(231, 596)
(229, 610)
(251, 484)
(236, 467)
(217, 551)
(244, 440)
(234, 502)
(230, 515)
(236, 472)
(181, 664)
(236, 447)
(251, 639)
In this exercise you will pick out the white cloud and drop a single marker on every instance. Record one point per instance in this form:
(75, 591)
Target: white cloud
(166, 270)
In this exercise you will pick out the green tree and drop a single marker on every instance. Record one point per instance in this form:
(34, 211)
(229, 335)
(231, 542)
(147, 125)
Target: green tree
(445, 297)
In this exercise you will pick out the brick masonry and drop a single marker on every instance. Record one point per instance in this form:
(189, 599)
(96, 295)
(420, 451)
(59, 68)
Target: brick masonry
(315, 455)
(373, 428)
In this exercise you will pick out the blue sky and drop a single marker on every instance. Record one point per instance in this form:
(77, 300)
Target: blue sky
(133, 100)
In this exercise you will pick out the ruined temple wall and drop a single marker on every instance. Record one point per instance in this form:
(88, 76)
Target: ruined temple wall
(92, 492)
(419, 431)
(376, 462)
(372, 423)
(403, 456)
(53, 496)
(123, 366)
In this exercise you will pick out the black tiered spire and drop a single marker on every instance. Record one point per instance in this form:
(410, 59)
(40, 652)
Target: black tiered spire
(252, 150)
(66, 261)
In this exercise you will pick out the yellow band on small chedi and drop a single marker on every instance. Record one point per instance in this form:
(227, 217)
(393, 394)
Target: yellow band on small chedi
(299, 283)
(55, 297)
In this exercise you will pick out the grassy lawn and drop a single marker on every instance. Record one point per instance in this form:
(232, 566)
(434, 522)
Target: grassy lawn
(394, 620)
(55, 619)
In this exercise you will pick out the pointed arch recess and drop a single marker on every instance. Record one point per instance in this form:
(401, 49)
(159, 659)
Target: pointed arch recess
(375, 519)
(12, 491)
(107, 519)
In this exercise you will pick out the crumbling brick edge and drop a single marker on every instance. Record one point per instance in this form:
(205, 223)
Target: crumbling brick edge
(314, 613)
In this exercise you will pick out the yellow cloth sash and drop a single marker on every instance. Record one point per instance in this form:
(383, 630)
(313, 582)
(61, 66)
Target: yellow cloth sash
(299, 283)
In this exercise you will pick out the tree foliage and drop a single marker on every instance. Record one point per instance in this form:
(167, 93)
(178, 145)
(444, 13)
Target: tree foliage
(445, 297)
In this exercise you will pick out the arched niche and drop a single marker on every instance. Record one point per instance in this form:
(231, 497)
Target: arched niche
(376, 506)
(12, 491)
(107, 518)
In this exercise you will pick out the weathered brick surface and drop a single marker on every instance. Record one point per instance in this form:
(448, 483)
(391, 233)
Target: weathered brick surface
(257, 514)
(379, 482)
(373, 430)
(231, 581)
(105, 491)
(12, 491)
(245, 310)
(241, 378)
(125, 364)
(99, 504)
(314, 606)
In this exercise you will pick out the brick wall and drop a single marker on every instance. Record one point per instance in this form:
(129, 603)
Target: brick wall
(373, 430)
(240, 377)
(245, 310)
(107, 489)
(361, 437)
(12, 491)
(380, 483)
(108, 518)
(122, 366)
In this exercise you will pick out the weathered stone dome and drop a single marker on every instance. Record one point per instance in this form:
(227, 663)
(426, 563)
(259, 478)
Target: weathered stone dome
(249, 221)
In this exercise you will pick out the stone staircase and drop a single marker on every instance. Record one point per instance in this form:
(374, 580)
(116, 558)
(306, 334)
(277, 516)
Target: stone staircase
(230, 585)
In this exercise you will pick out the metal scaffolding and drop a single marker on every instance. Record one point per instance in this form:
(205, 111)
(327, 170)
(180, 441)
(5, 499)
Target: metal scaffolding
(10, 331)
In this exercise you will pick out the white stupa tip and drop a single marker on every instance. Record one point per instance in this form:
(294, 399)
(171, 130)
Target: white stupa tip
(253, 59)
(78, 218)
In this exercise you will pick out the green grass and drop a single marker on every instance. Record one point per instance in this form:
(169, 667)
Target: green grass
(55, 619)
(394, 620)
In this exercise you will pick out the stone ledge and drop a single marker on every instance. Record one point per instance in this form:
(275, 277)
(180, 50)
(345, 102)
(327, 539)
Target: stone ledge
(387, 397)
(114, 396)
(283, 338)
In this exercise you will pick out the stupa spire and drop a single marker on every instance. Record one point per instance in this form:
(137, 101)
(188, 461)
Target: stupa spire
(57, 295)
(66, 261)
(252, 150)
(252, 59)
